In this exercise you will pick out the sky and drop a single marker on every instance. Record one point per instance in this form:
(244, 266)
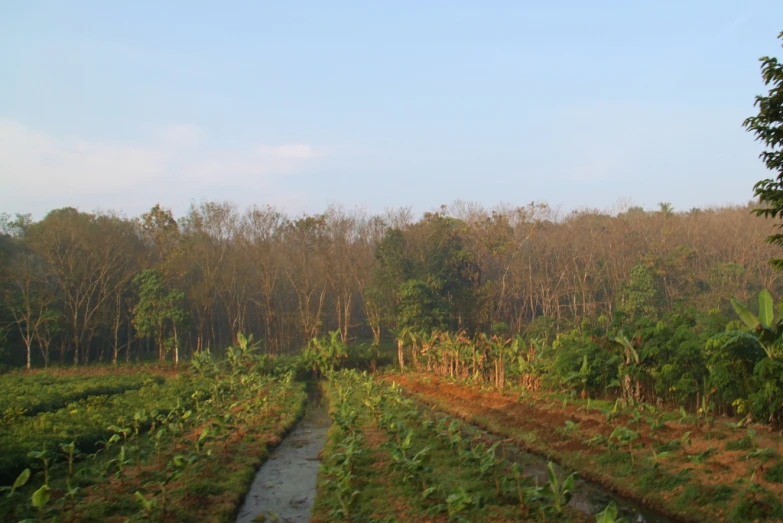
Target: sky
(299, 105)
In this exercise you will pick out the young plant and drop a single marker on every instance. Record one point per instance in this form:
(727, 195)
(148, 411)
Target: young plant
(147, 505)
(625, 436)
(42, 455)
(657, 457)
(561, 491)
(609, 515)
(570, 427)
(71, 452)
(21, 481)
(41, 498)
(459, 502)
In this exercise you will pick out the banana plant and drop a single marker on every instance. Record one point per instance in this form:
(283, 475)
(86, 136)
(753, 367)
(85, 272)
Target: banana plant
(415, 466)
(460, 502)
(489, 465)
(452, 435)
(405, 336)
(43, 456)
(609, 515)
(344, 490)
(40, 498)
(69, 497)
(349, 451)
(766, 328)
(324, 354)
(625, 436)
(630, 392)
(202, 440)
(21, 481)
(140, 418)
(119, 463)
(561, 491)
(71, 452)
(147, 505)
(339, 469)
(519, 487)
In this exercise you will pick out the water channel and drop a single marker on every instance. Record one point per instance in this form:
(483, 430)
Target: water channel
(285, 486)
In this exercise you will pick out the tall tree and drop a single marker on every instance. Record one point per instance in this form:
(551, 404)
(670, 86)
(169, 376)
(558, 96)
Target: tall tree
(159, 227)
(767, 125)
(88, 255)
(30, 298)
(308, 242)
(262, 232)
(158, 313)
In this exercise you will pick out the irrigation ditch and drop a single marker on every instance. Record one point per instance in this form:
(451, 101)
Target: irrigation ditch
(284, 487)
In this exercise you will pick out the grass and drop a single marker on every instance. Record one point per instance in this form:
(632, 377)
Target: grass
(774, 473)
(745, 443)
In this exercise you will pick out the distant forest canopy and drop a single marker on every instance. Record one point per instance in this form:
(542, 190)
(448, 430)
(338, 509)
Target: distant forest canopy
(79, 287)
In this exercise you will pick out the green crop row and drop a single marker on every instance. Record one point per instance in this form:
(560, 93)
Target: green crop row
(27, 395)
(87, 421)
(386, 460)
(182, 450)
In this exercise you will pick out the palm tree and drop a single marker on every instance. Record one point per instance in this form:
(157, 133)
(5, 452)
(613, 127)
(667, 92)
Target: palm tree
(666, 209)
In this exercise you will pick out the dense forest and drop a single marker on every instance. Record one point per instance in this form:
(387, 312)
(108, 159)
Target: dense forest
(79, 287)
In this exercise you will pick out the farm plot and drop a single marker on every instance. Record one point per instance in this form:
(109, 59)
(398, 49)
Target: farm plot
(183, 448)
(385, 461)
(692, 469)
(27, 394)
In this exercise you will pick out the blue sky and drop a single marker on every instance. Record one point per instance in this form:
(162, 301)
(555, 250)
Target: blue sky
(120, 105)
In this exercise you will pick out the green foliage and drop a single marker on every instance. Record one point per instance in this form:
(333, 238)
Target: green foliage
(625, 436)
(158, 311)
(429, 283)
(765, 327)
(640, 295)
(423, 468)
(766, 125)
(28, 395)
(169, 431)
(561, 491)
(324, 354)
(609, 515)
(745, 443)
(774, 473)
(582, 363)
(767, 400)
(765, 393)
(421, 307)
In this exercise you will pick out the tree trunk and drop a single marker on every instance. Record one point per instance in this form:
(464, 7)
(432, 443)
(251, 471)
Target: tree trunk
(176, 347)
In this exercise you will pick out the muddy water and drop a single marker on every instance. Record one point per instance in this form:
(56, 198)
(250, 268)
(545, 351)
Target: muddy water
(284, 487)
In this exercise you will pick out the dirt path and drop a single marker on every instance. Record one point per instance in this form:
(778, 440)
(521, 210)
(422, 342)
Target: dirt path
(284, 488)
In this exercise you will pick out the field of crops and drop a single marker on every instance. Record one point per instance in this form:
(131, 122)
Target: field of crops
(146, 444)
(165, 444)
(693, 468)
(386, 460)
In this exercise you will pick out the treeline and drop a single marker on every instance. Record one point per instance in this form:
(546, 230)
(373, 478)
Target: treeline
(79, 287)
